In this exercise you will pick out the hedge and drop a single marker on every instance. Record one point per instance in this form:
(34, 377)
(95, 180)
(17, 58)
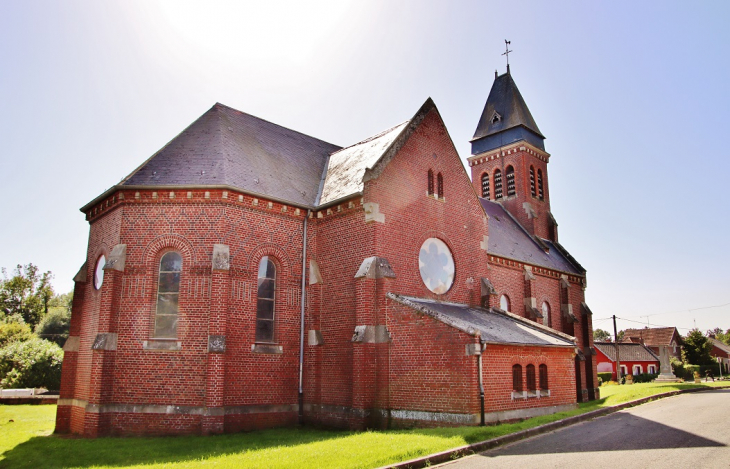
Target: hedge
(35, 363)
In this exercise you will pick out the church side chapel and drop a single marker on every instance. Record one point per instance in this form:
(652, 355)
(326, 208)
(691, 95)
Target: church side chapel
(248, 276)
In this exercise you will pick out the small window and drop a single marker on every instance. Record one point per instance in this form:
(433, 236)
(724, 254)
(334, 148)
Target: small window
(510, 181)
(546, 314)
(430, 182)
(624, 370)
(652, 369)
(168, 295)
(517, 378)
(504, 303)
(265, 300)
(531, 383)
(540, 193)
(485, 185)
(532, 181)
(543, 377)
(99, 272)
(637, 370)
(440, 185)
(497, 184)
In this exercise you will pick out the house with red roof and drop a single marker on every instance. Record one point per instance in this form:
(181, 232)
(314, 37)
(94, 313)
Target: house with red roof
(656, 337)
(635, 359)
(721, 352)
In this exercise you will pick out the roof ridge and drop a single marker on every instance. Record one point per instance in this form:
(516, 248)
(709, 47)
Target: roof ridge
(371, 138)
(221, 105)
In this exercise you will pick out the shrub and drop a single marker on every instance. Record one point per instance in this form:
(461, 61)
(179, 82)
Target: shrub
(35, 363)
(605, 376)
(55, 325)
(14, 332)
(645, 377)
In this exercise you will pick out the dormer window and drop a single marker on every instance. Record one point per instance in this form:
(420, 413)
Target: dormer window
(510, 181)
(496, 117)
(485, 185)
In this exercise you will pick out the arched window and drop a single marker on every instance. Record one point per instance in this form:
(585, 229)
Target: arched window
(265, 300)
(99, 272)
(532, 181)
(531, 383)
(510, 181)
(540, 193)
(440, 185)
(168, 295)
(546, 314)
(497, 184)
(430, 182)
(485, 185)
(517, 378)
(504, 303)
(543, 377)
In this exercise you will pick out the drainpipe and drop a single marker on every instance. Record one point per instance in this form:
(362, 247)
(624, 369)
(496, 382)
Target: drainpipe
(301, 329)
(481, 386)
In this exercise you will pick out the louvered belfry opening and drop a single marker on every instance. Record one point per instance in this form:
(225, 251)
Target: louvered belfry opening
(510, 181)
(430, 182)
(485, 185)
(532, 181)
(497, 184)
(440, 185)
(539, 184)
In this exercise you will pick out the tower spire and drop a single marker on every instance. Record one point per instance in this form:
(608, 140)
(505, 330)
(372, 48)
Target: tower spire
(507, 51)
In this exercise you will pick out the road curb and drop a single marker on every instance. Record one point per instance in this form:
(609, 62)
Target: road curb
(460, 452)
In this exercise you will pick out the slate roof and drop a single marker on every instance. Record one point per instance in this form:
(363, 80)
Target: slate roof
(226, 147)
(494, 326)
(627, 352)
(505, 99)
(347, 166)
(508, 239)
(652, 337)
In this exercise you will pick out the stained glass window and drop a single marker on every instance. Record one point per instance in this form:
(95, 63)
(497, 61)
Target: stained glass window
(168, 294)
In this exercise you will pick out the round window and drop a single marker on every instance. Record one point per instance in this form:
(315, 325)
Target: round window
(436, 265)
(99, 272)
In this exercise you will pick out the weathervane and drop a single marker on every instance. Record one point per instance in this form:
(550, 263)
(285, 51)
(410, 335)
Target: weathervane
(507, 51)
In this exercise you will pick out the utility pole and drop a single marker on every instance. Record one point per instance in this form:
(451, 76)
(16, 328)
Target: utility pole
(618, 359)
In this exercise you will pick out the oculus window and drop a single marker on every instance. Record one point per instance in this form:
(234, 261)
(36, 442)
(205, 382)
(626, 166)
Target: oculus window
(436, 265)
(99, 272)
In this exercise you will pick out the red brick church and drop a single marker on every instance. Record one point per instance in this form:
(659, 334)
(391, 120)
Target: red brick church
(248, 276)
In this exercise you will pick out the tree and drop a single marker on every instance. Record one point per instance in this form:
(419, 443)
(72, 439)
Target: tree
(27, 294)
(719, 335)
(35, 363)
(599, 335)
(696, 349)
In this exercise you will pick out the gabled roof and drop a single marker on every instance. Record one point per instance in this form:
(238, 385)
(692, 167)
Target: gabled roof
(226, 147)
(507, 238)
(493, 325)
(347, 167)
(652, 337)
(507, 108)
(627, 352)
(721, 345)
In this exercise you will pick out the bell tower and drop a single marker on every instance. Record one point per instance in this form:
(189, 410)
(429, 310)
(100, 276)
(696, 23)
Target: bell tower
(509, 161)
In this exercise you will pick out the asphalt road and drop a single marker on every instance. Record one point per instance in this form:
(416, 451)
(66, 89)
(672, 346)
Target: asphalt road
(684, 431)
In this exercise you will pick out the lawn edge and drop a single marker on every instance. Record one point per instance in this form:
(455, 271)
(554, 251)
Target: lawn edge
(467, 450)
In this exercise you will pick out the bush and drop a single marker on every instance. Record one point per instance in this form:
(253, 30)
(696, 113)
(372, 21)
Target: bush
(55, 325)
(14, 332)
(605, 376)
(35, 363)
(645, 377)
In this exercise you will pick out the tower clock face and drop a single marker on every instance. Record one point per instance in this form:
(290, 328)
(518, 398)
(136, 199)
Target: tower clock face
(99, 272)
(436, 265)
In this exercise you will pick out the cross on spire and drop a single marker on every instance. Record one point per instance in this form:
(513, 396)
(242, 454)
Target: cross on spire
(507, 51)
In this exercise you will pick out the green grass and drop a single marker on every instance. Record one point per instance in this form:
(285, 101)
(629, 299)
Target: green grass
(27, 441)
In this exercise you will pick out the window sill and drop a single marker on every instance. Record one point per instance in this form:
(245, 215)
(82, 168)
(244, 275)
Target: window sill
(271, 349)
(434, 197)
(162, 344)
(530, 394)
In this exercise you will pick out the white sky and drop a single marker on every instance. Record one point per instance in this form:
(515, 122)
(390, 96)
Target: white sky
(632, 97)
